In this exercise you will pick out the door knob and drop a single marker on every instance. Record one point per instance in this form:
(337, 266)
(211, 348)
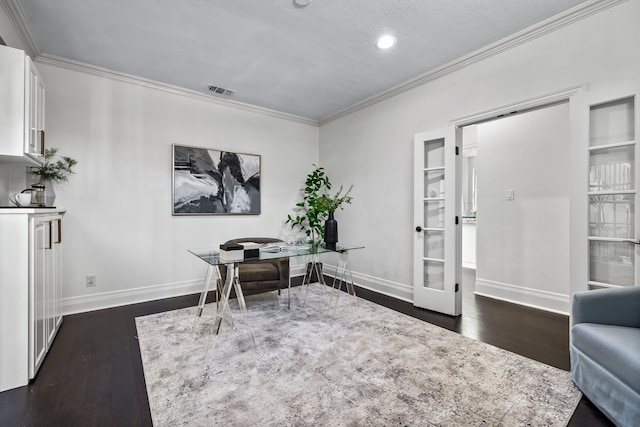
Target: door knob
(418, 229)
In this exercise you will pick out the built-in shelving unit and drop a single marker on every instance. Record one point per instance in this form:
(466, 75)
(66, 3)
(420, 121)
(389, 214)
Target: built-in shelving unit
(612, 193)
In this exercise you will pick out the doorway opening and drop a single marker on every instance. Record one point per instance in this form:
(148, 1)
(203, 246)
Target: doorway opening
(515, 204)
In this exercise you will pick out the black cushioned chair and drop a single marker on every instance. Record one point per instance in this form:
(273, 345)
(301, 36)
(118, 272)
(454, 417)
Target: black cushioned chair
(261, 276)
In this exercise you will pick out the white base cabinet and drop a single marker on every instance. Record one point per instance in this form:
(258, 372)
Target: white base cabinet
(30, 292)
(45, 312)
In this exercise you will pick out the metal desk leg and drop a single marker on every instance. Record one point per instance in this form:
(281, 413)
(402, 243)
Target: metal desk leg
(314, 267)
(347, 267)
(238, 289)
(241, 301)
(343, 269)
(205, 290)
(289, 290)
(224, 300)
(304, 280)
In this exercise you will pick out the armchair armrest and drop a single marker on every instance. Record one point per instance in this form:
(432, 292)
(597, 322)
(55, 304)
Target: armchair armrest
(620, 306)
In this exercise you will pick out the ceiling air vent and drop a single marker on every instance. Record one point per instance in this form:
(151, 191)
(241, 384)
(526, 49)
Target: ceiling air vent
(220, 90)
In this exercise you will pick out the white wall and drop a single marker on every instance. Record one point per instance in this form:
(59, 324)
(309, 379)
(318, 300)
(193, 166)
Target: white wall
(372, 148)
(118, 224)
(524, 243)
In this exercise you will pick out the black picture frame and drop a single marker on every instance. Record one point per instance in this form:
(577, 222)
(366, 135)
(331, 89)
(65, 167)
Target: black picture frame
(207, 181)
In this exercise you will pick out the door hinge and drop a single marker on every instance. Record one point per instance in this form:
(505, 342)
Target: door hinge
(457, 220)
(456, 289)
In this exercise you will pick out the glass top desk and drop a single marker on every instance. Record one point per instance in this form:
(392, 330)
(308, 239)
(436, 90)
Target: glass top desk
(283, 250)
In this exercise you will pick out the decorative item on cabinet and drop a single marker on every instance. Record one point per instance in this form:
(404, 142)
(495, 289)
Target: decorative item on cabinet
(37, 195)
(50, 172)
(21, 199)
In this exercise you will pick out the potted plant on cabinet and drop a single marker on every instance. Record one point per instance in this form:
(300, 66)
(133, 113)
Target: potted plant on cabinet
(52, 172)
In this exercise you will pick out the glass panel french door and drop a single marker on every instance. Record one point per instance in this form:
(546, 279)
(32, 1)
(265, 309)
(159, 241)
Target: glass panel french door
(436, 237)
(613, 195)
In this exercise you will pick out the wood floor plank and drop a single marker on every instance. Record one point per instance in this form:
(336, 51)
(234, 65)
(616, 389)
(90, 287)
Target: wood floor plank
(93, 374)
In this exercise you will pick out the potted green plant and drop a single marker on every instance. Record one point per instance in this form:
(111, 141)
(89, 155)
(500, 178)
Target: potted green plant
(310, 216)
(52, 172)
(316, 209)
(329, 203)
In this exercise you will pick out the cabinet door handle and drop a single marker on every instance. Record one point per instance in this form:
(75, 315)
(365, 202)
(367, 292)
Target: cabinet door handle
(42, 141)
(59, 231)
(50, 237)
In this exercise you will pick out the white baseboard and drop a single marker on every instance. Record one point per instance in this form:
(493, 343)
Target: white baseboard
(376, 284)
(99, 301)
(296, 270)
(386, 287)
(543, 300)
(535, 298)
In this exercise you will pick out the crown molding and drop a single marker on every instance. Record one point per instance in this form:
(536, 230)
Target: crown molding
(18, 19)
(16, 15)
(176, 90)
(540, 29)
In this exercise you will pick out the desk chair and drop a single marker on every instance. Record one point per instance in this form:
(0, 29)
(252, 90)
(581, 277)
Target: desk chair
(260, 276)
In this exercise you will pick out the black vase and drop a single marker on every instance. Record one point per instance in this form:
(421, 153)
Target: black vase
(331, 232)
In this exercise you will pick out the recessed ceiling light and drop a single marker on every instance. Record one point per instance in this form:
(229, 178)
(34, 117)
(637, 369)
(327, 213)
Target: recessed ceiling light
(385, 42)
(301, 3)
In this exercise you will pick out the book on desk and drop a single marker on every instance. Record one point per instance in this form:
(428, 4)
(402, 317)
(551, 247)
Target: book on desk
(239, 251)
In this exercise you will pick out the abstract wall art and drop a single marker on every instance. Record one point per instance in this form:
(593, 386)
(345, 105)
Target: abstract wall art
(212, 182)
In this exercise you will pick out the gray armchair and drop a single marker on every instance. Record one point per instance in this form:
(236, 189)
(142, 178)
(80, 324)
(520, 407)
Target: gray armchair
(605, 351)
(261, 276)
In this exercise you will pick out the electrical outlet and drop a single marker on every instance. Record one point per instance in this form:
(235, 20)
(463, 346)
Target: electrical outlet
(510, 194)
(91, 280)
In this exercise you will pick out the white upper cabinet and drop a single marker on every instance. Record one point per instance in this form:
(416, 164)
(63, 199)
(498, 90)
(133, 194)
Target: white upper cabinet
(22, 109)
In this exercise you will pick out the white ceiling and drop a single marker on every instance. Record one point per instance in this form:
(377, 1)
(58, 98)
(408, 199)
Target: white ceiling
(309, 61)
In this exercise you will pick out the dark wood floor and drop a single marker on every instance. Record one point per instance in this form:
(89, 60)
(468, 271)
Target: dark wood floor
(93, 374)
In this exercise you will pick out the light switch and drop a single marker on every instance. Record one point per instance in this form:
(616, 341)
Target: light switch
(510, 194)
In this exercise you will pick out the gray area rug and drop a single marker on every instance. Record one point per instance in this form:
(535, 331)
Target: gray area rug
(356, 365)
